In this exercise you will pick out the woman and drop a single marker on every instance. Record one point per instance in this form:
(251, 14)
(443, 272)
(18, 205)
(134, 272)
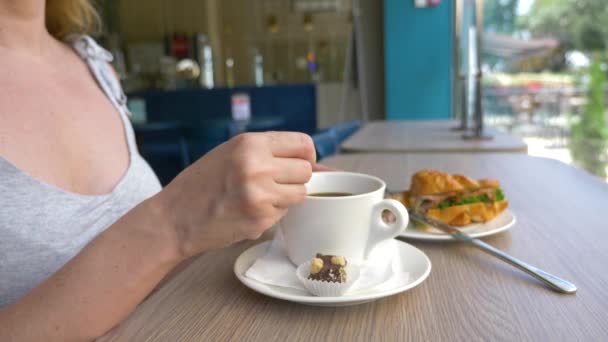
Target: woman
(85, 230)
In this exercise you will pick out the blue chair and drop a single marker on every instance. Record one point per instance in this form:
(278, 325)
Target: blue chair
(326, 143)
(346, 129)
(204, 135)
(163, 146)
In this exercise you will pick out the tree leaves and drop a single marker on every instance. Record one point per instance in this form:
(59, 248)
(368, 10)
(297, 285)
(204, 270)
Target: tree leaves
(581, 23)
(589, 140)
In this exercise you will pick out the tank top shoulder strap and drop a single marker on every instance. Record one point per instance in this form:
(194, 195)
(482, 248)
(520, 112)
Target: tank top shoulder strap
(98, 60)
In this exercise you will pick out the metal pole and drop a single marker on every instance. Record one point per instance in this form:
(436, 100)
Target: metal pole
(361, 60)
(478, 133)
(459, 103)
(478, 77)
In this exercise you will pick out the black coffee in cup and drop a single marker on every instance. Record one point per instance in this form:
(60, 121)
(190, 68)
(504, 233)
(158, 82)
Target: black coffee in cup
(330, 194)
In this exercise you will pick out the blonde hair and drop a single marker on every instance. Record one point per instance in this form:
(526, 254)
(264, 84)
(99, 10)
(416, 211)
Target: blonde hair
(65, 17)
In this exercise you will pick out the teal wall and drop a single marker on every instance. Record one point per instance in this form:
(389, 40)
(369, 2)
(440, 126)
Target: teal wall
(418, 60)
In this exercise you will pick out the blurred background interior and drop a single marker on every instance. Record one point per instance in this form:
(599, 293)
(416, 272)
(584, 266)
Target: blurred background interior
(198, 72)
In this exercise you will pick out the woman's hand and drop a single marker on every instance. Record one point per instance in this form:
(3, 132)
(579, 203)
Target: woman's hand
(235, 192)
(238, 190)
(322, 168)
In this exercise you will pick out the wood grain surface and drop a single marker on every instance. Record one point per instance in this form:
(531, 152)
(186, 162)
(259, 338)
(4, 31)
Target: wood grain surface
(469, 296)
(424, 136)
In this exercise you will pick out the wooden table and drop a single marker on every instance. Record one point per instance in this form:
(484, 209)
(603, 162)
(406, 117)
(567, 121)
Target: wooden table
(469, 296)
(434, 136)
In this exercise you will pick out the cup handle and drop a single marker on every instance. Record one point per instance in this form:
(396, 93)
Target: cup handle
(380, 230)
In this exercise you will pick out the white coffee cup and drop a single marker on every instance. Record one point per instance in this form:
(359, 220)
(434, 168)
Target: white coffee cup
(350, 226)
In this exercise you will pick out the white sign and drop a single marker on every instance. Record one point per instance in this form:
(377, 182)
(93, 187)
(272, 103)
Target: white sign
(241, 107)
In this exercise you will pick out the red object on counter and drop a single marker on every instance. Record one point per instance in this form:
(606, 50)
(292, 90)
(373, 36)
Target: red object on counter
(180, 45)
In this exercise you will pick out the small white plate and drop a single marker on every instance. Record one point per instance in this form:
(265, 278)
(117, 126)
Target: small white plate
(499, 224)
(413, 260)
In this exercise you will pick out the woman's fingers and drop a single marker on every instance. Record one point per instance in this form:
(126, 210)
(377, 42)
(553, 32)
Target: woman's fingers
(291, 171)
(289, 194)
(292, 145)
(321, 167)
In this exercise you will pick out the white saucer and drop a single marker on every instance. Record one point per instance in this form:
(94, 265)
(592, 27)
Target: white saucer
(413, 260)
(499, 224)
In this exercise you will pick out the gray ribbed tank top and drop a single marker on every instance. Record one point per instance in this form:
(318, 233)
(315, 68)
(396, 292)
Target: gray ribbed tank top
(42, 226)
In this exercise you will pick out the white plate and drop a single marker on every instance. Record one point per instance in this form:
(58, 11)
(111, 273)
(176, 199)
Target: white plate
(499, 224)
(413, 260)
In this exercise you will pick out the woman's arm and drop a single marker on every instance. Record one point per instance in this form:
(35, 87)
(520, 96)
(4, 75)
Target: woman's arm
(99, 287)
(235, 192)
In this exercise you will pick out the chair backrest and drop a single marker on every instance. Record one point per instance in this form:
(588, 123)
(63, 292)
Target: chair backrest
(205, 135)
(346, 129)
(326, 143)
(164, 147)
(296, 104)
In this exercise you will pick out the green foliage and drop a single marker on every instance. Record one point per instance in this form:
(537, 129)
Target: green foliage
(581, 24)
(589, 140)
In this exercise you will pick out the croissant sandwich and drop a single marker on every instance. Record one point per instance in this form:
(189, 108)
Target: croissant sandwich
(454, 199)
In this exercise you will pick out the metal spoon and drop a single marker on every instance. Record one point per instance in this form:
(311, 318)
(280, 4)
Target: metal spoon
(556, 283)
